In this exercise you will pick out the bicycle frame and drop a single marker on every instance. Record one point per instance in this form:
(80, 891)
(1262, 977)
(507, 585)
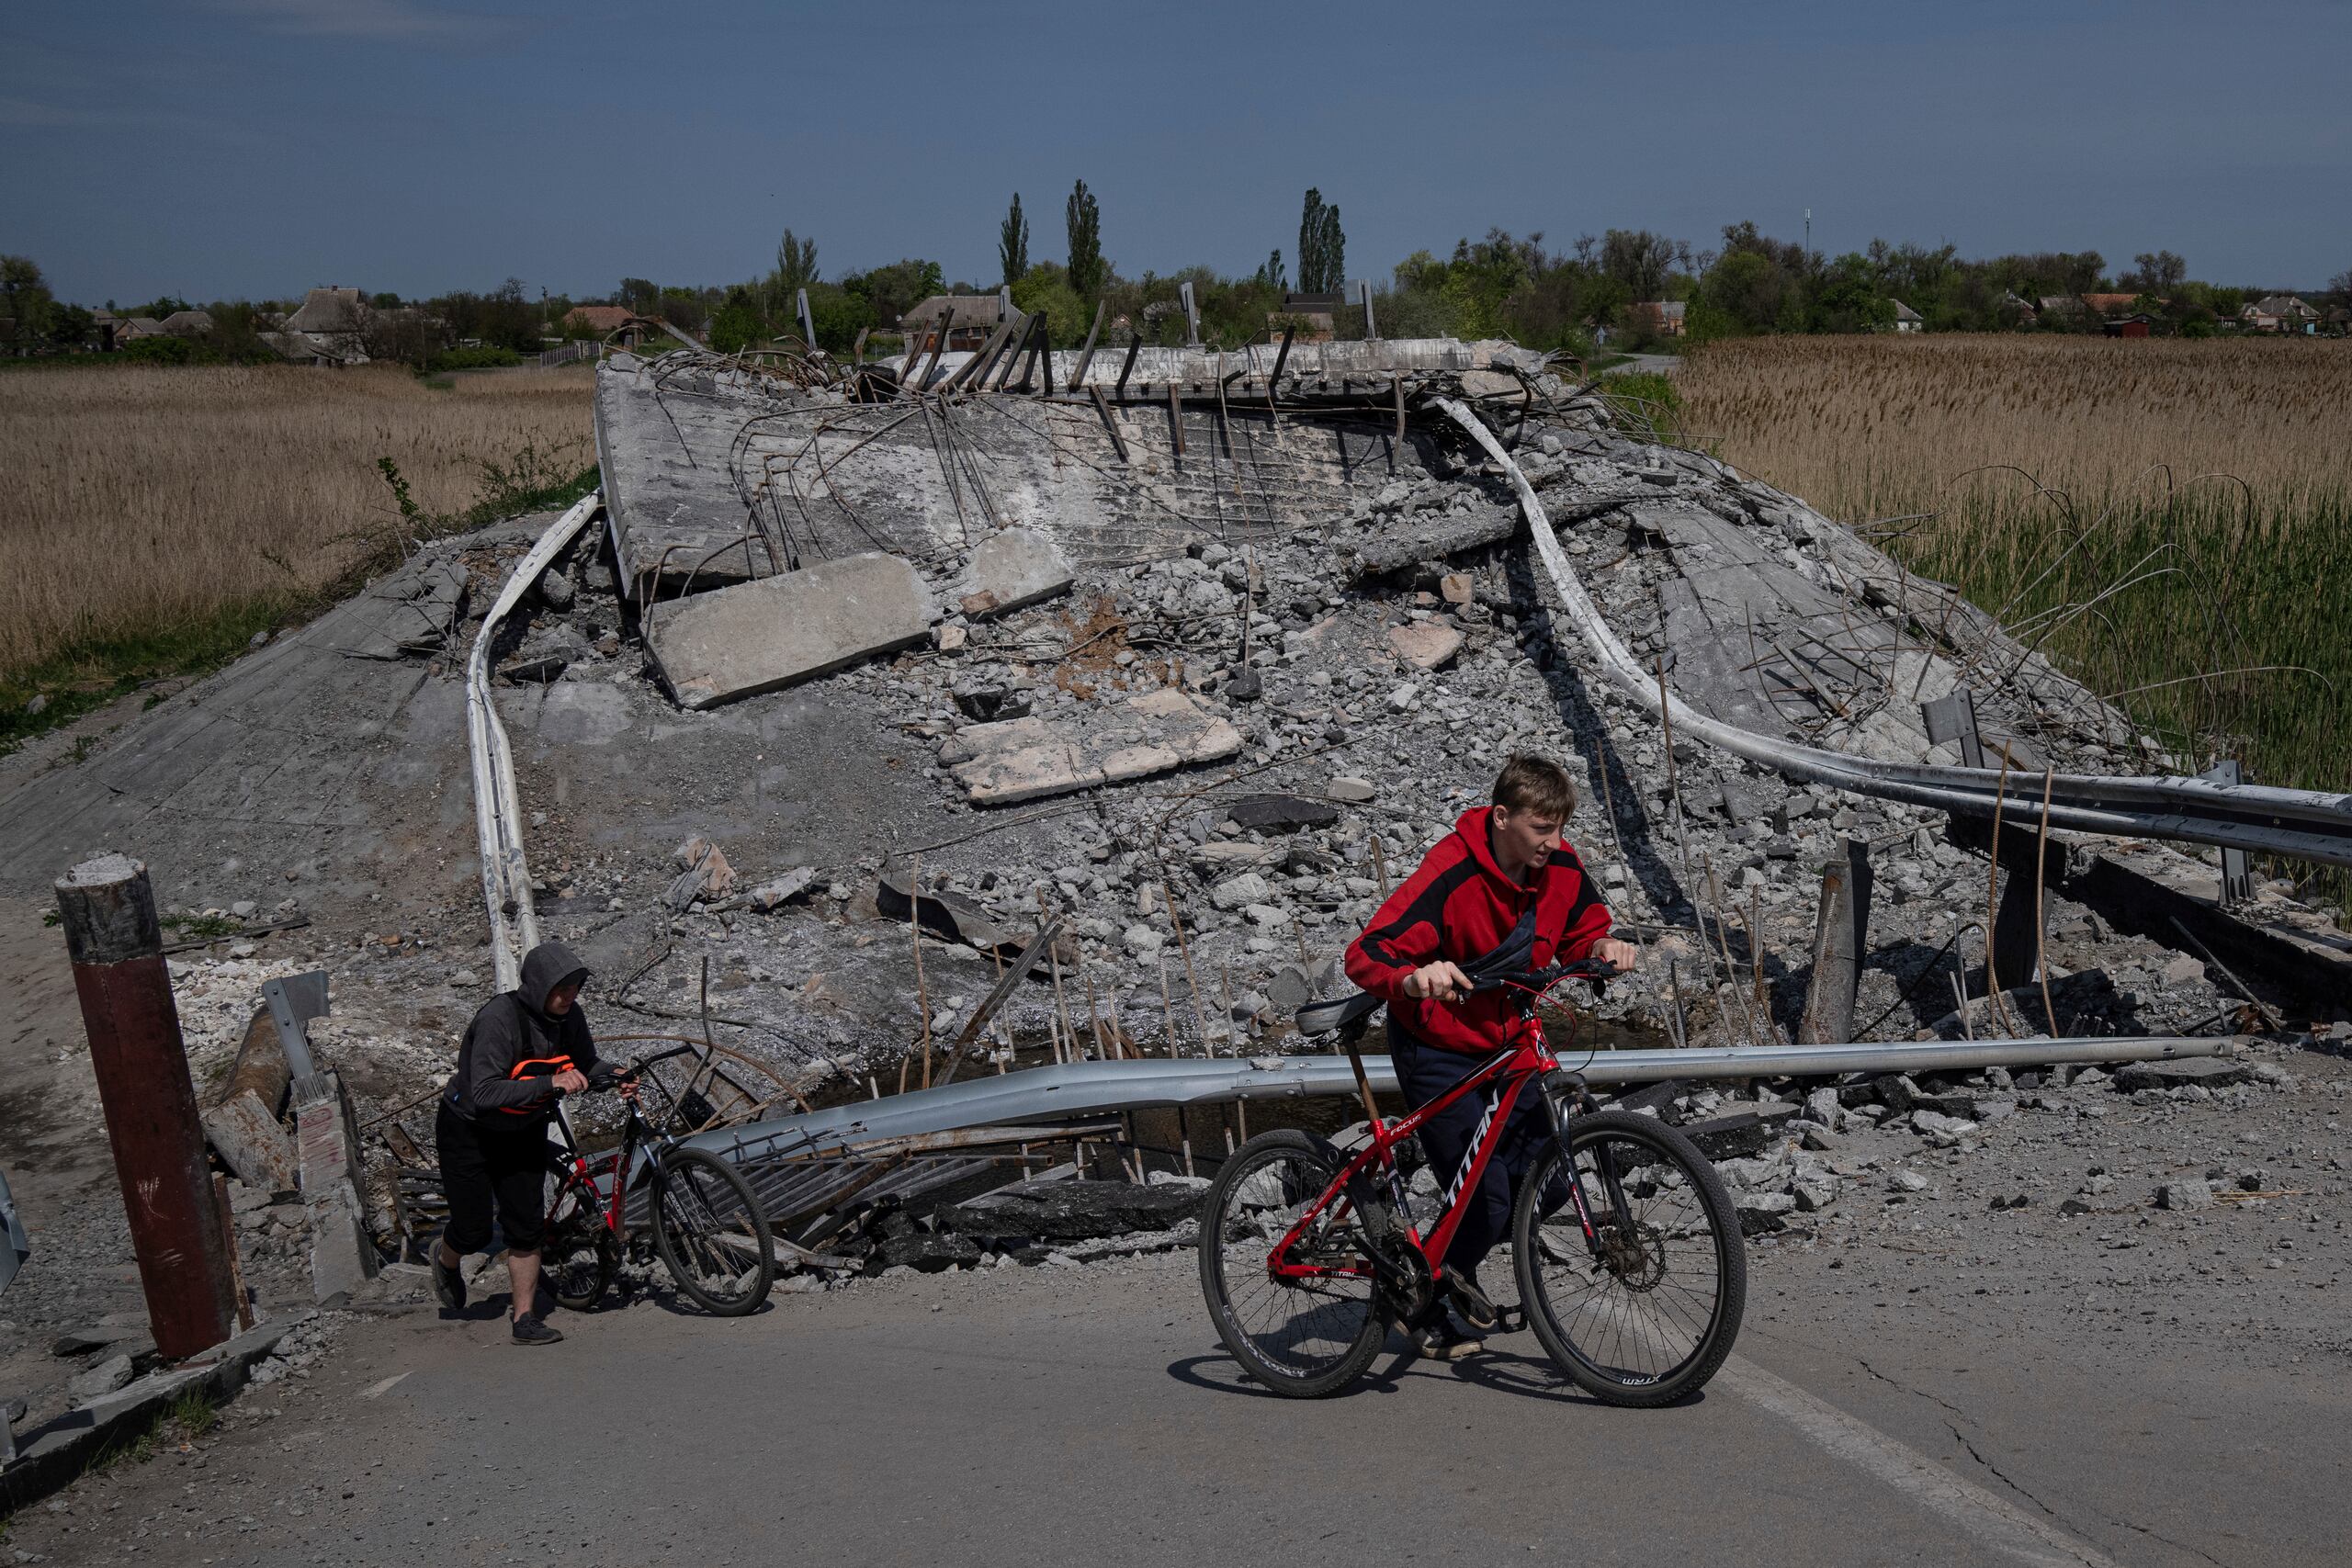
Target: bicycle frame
(1513, 1070)
(637, 1134)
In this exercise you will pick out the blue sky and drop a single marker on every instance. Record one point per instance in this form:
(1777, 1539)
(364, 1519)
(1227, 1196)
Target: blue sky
(228, 148)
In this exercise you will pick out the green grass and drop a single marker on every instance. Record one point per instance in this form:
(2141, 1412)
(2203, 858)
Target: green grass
(91, 672)
(2222, 625)
(1644, 405)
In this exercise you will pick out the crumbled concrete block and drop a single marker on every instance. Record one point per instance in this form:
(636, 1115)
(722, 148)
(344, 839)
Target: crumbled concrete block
(250, 1143)
(1024, 759)
(1425, 644)
(2184, 1195)
(1243, 890)
(1353, 791)
(779, 631)
(1015, 567)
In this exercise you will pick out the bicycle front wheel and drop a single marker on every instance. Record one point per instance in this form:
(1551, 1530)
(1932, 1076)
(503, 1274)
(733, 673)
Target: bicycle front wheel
(711, 1235)
(1302, 1336)
(1644, 1310)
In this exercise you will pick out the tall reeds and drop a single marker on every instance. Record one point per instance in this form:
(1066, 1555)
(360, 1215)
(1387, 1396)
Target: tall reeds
(139, 499)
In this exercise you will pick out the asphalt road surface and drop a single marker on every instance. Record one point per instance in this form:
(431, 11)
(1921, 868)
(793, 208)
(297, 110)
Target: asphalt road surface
(1064, 1415)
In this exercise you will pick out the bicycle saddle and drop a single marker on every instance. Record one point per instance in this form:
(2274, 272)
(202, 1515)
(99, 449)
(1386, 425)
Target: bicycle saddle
(1321, 1018)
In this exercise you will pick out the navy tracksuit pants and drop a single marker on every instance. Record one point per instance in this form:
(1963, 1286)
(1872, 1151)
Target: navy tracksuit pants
(1424, 1072)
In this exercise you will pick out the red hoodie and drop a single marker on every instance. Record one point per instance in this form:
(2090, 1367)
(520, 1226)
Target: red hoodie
(1459, 907)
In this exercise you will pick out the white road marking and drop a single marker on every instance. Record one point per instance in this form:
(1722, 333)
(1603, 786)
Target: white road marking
(384, 1387)
(1995, 1522)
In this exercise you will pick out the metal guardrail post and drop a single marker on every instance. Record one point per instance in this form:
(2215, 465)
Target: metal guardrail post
(140, 1063)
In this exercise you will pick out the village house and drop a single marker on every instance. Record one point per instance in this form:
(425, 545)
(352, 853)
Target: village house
(1907, 320)
(2278, 313)
(1664, 318)
(970, 318)
(615, 324)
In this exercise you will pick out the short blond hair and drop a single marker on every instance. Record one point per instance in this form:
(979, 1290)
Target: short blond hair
(1535, 784)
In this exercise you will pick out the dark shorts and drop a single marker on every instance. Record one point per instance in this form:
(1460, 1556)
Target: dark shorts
(483, 1168)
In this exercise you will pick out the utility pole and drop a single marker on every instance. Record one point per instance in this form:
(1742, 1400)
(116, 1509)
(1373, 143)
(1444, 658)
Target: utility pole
(1808, 236)
(117, 947)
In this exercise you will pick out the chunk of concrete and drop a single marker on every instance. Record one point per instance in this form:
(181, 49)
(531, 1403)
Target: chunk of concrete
(2211, 1072)
(343, 1256)
(1015, 567)
(779, 631)
(1424, 645)
(250, 1143)
(1025, 759)
(99, 1381)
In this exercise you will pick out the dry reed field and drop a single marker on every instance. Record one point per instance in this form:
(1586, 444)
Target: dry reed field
(143, 500)
(1880, 426)
(2171, 519)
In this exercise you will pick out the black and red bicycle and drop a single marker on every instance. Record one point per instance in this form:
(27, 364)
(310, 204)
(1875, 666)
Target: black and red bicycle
(706, 1224)
(1624, 1240)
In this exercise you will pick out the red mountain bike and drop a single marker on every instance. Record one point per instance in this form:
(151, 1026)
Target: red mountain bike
(706, 1223)
(1624, 1239)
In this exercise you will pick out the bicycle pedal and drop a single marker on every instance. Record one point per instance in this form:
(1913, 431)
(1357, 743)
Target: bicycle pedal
(1510, 1320)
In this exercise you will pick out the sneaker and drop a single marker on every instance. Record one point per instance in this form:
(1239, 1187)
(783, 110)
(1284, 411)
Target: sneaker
(448, 1284)
(1440, 1341)
(532, 1329)
(1470, 1304)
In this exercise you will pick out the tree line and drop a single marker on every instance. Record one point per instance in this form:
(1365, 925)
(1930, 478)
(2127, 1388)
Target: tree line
(1598, 288)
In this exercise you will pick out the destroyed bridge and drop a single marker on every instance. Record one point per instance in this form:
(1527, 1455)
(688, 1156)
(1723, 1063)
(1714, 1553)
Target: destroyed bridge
(1128, 678)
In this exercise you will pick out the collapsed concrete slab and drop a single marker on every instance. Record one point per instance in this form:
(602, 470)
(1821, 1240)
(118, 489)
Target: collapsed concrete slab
(764, 635)
(1012, 570)
(1024, 759)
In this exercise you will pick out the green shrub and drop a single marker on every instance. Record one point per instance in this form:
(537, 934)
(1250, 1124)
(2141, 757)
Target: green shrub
(484, 357)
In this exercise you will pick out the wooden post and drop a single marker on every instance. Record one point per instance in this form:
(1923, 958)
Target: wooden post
(1840, 938)
(117, 946)
(229, 1243)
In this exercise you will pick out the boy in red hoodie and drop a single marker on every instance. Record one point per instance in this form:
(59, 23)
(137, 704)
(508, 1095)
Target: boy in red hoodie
(1502, 864)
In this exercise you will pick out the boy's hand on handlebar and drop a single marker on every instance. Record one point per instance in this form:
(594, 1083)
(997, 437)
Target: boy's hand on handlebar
(571, 1080)
(1623, 955)
(1439, 982)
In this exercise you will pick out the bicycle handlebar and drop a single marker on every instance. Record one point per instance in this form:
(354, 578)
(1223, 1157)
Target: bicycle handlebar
(1596, 970)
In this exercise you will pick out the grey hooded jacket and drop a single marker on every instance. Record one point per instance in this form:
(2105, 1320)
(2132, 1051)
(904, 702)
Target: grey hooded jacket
(514, 1048)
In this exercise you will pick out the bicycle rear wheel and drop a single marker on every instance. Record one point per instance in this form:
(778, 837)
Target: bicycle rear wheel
(578, 1257)
(1300, 1338)
(711, 1235)
(1651, 1312)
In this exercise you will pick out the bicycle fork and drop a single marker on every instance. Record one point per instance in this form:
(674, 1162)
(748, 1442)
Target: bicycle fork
(1559, 1085)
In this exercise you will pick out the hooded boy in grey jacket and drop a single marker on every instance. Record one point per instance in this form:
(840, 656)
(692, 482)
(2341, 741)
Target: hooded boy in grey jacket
(525, 1049)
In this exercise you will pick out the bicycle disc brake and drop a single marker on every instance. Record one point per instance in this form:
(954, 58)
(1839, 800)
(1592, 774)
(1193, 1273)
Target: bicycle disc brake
(1638, 1260)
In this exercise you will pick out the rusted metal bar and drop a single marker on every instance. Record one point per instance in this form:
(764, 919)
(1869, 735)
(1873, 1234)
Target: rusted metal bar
(1282, 356)
(107, 907)
(1109, 423)
(1086, 350)
(1135, 346)
(1175, 417)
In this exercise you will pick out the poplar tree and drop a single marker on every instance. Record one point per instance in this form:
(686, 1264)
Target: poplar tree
(1013, 243)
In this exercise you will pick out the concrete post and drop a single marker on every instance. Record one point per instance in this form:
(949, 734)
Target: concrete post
(117, 947)
(1840, 939)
